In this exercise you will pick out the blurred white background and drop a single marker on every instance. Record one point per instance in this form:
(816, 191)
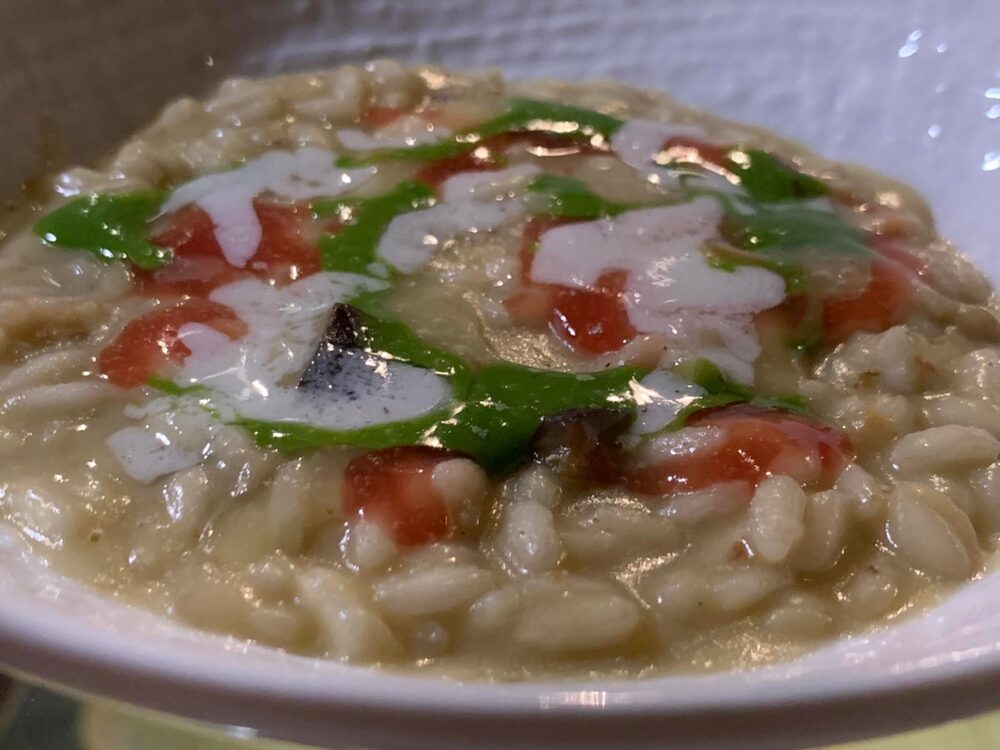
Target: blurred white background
(909, 87)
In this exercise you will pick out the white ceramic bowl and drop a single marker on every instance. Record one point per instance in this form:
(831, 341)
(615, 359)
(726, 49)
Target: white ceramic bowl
(908, 88)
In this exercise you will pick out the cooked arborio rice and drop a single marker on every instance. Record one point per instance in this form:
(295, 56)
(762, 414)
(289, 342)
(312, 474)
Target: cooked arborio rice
(406, 367)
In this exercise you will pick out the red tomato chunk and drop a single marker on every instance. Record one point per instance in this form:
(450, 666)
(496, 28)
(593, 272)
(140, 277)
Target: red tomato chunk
(754, 443)
(883, 303)
(592, 321)
(437, 172)
(489, 154)
(394, 488)
(150, 342)
(199, 266)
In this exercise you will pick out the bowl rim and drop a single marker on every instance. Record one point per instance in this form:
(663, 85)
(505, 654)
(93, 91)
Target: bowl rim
(220, 688)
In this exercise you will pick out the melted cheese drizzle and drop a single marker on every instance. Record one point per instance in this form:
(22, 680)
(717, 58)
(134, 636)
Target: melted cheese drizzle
(671, 289)
(227, 197)
(409, 130)
(470, 202)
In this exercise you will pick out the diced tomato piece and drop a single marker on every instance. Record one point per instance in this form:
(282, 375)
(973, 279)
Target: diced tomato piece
(394, 488)
(151, 341)
(686, 150)
(438, 171)
(593, 321)
(199, 266)
(489, 153)
(189, 232)
(532, 305)
(754, 443)
(883, 303)
(284, 255)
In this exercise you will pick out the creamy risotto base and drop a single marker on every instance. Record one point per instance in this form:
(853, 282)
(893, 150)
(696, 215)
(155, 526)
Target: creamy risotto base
(404, 367)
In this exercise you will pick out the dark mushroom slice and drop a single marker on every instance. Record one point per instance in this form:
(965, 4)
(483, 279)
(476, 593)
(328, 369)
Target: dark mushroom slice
(576, 444)
(339, 358)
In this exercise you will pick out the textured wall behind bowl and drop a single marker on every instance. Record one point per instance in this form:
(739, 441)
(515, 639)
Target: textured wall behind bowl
(908, 87)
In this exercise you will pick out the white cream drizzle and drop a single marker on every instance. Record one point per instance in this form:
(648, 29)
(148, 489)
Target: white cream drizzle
(255, 377)
(470, 202)
(671, 289)
(227, 197)
(167, 439)
(408, 130)
(257, 374)
(146, 455)
(660, 396)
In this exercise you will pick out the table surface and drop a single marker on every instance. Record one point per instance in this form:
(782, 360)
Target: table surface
(36, 719)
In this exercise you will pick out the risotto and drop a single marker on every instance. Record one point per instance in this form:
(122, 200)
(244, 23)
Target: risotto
(398, 366)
